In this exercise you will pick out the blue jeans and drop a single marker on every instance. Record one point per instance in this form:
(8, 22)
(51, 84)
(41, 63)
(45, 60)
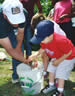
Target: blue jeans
(27, 37)
(15, 63)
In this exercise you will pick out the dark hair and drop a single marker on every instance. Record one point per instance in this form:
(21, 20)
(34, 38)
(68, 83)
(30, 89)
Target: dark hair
(36, 19)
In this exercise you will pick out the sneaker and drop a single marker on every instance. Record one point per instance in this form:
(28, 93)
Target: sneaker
(48, 89)
(15, 81)
(57, 93)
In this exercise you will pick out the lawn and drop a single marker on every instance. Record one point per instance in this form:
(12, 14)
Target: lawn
(9, 89)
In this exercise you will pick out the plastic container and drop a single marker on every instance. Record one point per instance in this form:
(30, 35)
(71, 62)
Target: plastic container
(31, 79)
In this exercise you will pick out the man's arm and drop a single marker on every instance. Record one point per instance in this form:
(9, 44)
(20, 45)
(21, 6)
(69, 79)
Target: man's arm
(5, 42)
(19, 38)
(39, 6)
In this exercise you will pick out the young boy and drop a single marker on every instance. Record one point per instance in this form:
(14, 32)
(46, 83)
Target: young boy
(35, 20)
(61, 51)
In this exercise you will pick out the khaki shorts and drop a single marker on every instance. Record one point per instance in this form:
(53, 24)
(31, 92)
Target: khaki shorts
(63, 70)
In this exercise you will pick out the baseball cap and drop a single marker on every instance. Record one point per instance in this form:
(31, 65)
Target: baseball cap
(13, 9)
(43, 29)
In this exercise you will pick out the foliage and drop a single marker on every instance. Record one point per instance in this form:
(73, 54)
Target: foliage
(46, 6)
(9, 89)
(1, 1)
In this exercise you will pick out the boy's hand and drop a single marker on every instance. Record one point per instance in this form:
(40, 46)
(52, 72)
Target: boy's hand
(56, 62)
(35, 64)
(32, 58)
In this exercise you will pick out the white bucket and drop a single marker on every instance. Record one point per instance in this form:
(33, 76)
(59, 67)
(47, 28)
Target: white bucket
(31, 79)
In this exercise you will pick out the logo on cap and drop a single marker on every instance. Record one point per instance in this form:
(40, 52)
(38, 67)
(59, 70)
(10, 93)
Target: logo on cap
(15, 10)
(35, 32)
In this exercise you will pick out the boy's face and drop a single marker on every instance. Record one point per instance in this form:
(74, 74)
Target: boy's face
(47, 39)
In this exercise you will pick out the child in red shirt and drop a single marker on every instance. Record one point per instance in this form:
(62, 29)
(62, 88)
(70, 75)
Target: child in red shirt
(61, 51)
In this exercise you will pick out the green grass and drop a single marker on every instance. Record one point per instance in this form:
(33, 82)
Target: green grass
(9, 89)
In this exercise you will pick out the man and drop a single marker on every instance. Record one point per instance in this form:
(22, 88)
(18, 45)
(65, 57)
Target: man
(29, 5)
(12, 16)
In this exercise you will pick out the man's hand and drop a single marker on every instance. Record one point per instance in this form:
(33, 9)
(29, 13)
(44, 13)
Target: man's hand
(27, 61)
(33, 61)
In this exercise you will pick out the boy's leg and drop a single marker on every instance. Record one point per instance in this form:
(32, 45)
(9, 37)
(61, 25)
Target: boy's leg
(50, 87)
(60, 88)
(51, 78)
(62, 74)
(61, 83)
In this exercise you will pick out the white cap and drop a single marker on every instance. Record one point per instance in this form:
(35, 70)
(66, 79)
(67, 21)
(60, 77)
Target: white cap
(13, 9)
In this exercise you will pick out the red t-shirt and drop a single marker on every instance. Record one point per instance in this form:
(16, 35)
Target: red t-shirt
(29, 6)
(59, 46)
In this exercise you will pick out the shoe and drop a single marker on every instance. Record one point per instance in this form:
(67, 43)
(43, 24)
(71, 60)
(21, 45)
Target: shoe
(48, 89)
(15, 81)
(57, 93)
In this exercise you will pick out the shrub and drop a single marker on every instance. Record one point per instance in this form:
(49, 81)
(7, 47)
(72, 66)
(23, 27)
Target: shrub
(1, 1)
(46, 6)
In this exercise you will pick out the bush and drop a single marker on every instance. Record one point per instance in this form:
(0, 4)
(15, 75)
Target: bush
(1, 1)
(46, 6)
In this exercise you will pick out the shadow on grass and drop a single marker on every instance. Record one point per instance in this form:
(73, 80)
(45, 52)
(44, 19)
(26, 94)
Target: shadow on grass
(73, 69)
(10, 89)
(70, 88)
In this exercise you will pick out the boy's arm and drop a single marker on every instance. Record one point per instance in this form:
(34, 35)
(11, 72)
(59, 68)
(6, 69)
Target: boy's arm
(56, 62)
(33, 57)
(45, 60)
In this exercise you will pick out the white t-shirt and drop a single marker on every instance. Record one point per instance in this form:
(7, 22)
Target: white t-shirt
(57, 29)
